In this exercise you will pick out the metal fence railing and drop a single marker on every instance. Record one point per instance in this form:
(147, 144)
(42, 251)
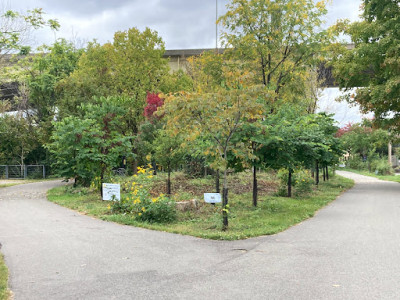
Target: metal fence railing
(22, 171)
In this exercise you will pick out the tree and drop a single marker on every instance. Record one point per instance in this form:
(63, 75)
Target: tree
(278, 39)
(15, 28)
(281, 43)
(132, 66)
(373, 66)
(168, 153)
(292, 140)
(87, 147)
(215, 115)
(17, 138)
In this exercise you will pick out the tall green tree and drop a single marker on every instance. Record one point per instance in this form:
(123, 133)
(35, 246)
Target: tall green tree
(90, 146)
(16, 26)
(281, 43)
(373, 66)
(215, 116)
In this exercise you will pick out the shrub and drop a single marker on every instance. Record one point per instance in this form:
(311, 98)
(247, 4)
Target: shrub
(137, 201)
(381, 167)
(302, 182)
(355, 162)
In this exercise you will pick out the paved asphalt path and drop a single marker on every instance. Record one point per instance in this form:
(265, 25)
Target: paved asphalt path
(349, 250)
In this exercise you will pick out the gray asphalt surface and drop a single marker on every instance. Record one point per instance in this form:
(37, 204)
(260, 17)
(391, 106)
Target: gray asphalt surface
(349, 250)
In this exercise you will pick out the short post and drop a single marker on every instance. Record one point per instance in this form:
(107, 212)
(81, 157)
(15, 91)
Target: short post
(6, 172)
(44, 172)
(25, 171)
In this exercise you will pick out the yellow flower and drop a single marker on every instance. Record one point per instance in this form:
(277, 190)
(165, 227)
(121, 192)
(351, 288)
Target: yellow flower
(150, 176)
(149, 165)
(141, 186)
(139, 214)
(133, 183)
(143, 209)
(108, 206)
(154, 200)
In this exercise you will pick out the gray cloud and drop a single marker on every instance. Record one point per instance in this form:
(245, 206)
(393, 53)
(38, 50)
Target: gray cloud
(181, 23)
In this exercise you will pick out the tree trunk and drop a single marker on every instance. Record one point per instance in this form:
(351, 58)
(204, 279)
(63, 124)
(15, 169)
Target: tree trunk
(224, 209)
(289, 184)
(225, 202)
(316, 173)
(323, 173)
(255, 187)
(313, 173)
(217, 190)
(169, 182)
(154, 166)
(327, 173)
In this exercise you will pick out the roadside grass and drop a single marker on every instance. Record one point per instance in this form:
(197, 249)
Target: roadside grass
(4, 293)
(273, 214)
(371, 174)
(21, 181)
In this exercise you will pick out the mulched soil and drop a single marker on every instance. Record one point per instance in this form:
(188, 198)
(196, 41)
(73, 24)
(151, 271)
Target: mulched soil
(236, 186)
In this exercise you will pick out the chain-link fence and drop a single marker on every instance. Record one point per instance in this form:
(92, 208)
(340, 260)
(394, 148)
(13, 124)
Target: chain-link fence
(25, 171)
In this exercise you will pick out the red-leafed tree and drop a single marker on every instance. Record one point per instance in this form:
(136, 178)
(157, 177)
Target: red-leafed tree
(346, 128)
(153, 103)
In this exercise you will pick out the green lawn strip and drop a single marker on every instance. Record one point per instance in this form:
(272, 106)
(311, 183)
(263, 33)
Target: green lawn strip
(23, 181)
(8, 184)
(4, 293)
(273, 215)
(381, 177)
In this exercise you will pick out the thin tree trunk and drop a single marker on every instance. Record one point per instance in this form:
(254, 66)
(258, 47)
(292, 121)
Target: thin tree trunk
(324, 173)
(316, 173)
(154, 165)
(217, 190)
(169, 182)
(225, 203)
(255, 187)
(224, 209)
(289, 184)
(327, 173)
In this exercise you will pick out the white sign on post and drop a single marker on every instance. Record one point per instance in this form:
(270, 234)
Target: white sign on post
(212, 197)
(111, 190)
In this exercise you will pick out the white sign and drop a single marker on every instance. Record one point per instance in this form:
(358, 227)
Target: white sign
(111, 190)
(212, 197)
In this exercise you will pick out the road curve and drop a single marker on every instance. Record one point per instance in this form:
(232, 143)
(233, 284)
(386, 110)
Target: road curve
(349, 250)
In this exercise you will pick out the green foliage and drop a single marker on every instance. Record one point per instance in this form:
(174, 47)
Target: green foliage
(14, 27)
(131, 66)
(360, 140)
(357, 163)
(138, 202)
(381, 167)
(278, 41)
(91, 146)
(4, 294)
(373, 66)
(301, 181)
(167, 151)
(17, 138)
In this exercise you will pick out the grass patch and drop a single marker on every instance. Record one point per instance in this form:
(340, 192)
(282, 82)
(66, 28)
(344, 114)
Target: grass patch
(273, 214)
(4, 293)
(381, 177)
(8, 184)
(21, 181)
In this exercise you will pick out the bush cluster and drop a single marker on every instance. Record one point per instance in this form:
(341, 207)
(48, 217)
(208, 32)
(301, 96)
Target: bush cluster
(137, 201)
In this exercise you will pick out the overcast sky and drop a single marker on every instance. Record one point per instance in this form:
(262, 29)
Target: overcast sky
(183, 24)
